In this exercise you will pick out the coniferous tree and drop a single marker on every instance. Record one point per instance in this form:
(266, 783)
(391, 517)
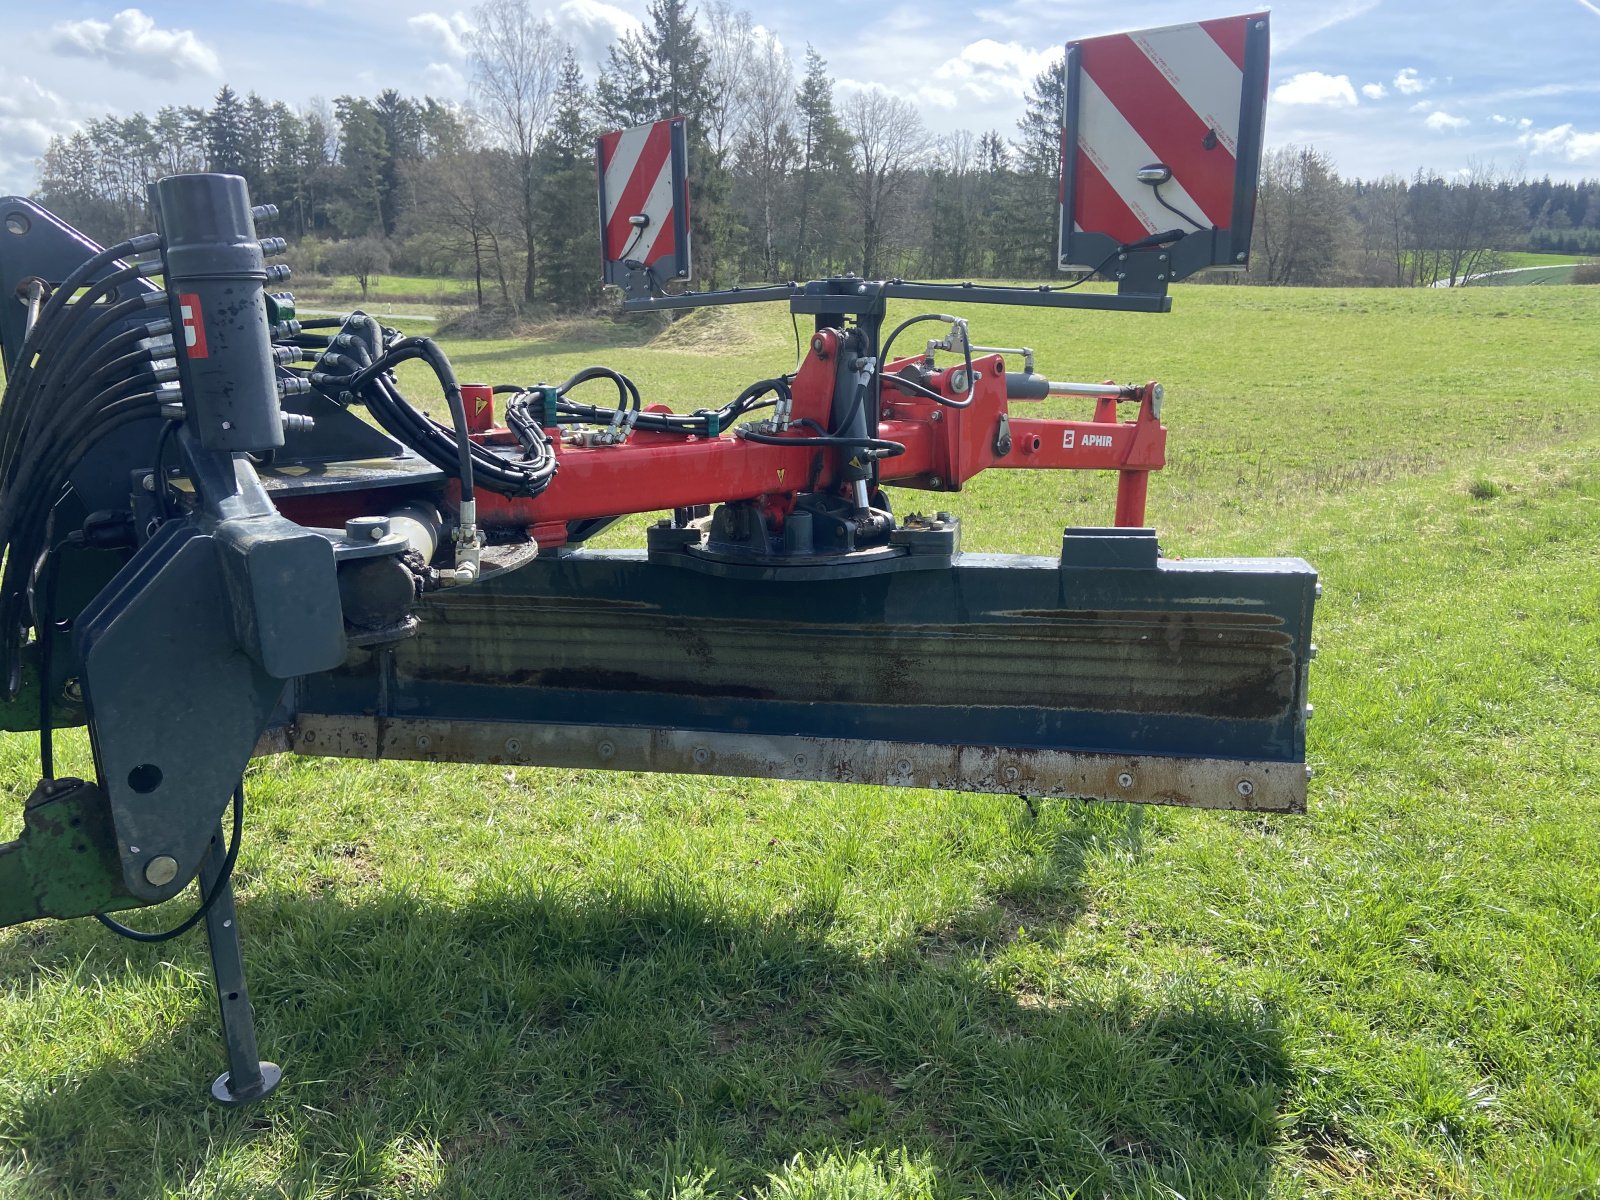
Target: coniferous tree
(824, 164)
(403, 133)
(227, 139)
(363, 157)
(566, 195)
(1037, 202)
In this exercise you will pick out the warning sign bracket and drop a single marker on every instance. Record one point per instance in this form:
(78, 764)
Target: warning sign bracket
(1161, 150)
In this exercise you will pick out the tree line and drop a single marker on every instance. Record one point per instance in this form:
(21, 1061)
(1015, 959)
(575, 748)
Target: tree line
(1314, 228)
(789, 180)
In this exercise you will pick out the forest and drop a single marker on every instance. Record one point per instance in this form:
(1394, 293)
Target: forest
(790, 179)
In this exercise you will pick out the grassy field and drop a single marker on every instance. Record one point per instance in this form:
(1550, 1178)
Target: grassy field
(492, 982)
(1559, 273)
(1535, 258)
(390, 296)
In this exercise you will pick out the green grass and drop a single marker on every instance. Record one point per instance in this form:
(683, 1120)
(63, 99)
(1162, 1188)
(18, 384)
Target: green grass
(490, 982)
(1528, 277)
(388, 295)
(1535, 258)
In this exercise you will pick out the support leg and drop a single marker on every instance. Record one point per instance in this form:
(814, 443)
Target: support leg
(247, 1077)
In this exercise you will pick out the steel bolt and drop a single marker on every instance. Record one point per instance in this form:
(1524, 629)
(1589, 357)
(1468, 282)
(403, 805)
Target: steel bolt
(72, 690)
(513, 746)
(148, 483)
(936, 416)
(1245, 788)
(161, 870)
(1011, 774)
(309, 736)
(1311, 710)
(1125, 780)
(606, 749)
(701, 756)
(799, 760)
(366, 529)
(903, 765)
(227, 425)
(942, 517)
(934, 480)
(424, 741)
(1239, 257)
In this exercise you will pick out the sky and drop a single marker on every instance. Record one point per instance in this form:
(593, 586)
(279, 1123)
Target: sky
(1380, 85)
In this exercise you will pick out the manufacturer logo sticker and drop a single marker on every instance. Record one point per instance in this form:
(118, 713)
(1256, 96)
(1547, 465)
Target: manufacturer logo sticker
(194, 328)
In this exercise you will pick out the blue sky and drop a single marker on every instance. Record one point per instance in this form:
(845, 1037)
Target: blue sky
(1381, 85)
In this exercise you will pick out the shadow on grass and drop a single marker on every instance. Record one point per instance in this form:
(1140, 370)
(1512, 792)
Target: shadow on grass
(653, 1034)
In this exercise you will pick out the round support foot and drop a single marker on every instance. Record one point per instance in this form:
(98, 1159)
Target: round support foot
(222, 1090)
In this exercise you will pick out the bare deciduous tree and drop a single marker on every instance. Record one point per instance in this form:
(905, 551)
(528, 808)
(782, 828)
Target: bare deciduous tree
(888, 136)
(516, 64)
(457, 199)
(767, 147)
(363, 257)
(1303, 229)
(733, 47)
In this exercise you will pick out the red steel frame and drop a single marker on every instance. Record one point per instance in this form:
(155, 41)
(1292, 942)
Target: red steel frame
(945, 447)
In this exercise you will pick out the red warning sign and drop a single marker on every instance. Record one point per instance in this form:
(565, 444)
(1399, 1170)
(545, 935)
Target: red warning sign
(1163, 131)
(644, 199)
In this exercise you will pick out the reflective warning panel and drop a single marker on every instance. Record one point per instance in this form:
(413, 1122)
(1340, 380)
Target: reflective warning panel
(1162, 132)
(644, 205)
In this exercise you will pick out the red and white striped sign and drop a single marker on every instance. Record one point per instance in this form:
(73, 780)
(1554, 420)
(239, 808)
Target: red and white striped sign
(637, 181)
(1172, 96)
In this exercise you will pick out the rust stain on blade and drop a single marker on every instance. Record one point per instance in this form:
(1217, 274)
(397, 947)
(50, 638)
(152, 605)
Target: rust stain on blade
(1143, 779)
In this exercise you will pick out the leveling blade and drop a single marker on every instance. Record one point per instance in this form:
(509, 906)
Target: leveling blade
(1108, 673)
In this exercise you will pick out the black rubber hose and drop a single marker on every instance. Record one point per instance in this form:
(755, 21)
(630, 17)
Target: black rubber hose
(224, 877)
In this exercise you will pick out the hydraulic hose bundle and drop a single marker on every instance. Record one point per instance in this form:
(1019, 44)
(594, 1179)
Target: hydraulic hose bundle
(69, 390)
(360, 362)
(524, 412)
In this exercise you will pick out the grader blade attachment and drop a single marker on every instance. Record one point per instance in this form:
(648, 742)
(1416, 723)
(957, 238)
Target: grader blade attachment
(1106, 674)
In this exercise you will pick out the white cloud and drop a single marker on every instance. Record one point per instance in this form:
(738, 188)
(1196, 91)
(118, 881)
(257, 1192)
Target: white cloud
(936, 97)
(1441, 120)
(1564, 141)
(447, 33)
(1409, 82)
(132, 41)
(1314, 87)
(30, 115)
(443, 80)
(1374, 91)
(591, 26)
(987, 69)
